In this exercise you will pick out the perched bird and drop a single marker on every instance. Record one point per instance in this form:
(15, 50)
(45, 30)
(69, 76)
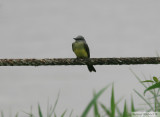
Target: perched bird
(81, 50)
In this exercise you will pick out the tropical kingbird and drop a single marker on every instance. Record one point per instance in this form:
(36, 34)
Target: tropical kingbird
(81, 50)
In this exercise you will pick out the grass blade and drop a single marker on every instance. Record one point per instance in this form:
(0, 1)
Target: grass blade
(156, 85)
(137, 77)
(112, 102)
(2, 114)
(17, 115)
(96, 112)
(63, 113)
(148, 103)
(71, 113)
(39, 111)
(55, 114)
(84, 114)
(105, 110)
(48, 108)
(118, 111)
(147, 81)
(53, 110)
(30, 114)
(125, 112)
(132, 105)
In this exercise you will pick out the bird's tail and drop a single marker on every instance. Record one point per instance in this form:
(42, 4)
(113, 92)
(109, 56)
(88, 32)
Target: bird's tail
(91, 68)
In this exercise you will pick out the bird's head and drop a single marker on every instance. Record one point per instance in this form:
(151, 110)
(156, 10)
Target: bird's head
(79, 38)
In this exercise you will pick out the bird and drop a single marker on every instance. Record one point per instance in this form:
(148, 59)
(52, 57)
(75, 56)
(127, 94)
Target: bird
(81, 50)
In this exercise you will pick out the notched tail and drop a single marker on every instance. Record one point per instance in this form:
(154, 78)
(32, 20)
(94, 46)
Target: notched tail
(91, 68)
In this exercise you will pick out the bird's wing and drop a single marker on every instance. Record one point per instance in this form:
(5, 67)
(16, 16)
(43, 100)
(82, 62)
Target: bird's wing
(73, 47)
(87, 49)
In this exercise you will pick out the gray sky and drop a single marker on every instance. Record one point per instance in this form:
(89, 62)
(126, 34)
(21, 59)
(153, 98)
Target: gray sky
(45, 29)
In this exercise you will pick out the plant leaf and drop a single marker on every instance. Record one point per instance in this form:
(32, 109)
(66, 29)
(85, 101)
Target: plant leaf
(147, 81)
(138, 78)
(55, 114)
(132, 104)
(105, 110)
(148, 103)
(96, 112)
(157, 85)
(155, 79)
(125, 112)
(71, 113)
(2, 114)
(16, 115)
(112, 102)
(64, 113)
(39, 111)
(55, 104)
(85, 112)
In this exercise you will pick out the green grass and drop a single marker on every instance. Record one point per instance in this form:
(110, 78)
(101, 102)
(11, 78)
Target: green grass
(153, 90)
(152, 87)
(93, 102)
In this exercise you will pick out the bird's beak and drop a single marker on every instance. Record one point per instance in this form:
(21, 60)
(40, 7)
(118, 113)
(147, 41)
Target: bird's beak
(74, 38)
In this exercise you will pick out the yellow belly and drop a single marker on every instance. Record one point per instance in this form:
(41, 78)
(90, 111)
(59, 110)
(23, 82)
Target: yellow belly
(81, 53)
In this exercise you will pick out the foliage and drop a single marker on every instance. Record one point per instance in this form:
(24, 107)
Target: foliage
(153, 102)
(102, 110)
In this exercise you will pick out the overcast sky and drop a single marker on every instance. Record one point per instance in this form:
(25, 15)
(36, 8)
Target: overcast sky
(45, 29)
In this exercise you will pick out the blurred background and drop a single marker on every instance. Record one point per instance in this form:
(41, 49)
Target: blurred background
(45, 29)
